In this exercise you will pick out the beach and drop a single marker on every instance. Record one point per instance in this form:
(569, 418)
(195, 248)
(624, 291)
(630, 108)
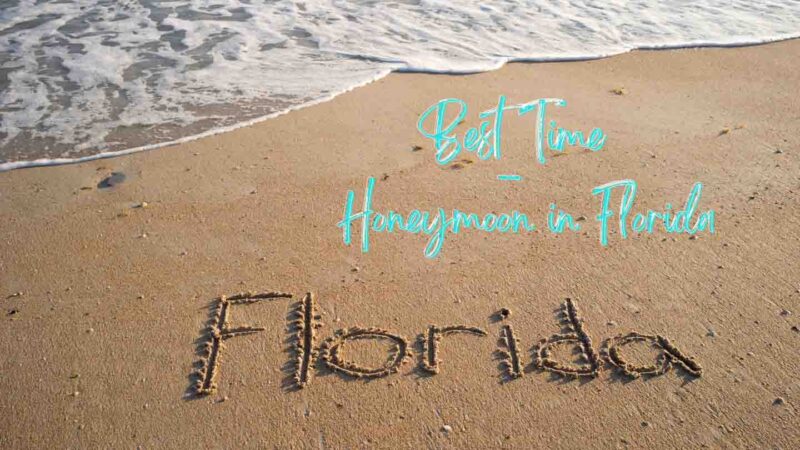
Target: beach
(108, 289)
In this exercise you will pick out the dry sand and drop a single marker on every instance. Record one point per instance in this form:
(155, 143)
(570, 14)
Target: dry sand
(99, 348)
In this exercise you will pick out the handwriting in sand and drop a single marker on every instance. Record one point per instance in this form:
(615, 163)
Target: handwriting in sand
(304, 321)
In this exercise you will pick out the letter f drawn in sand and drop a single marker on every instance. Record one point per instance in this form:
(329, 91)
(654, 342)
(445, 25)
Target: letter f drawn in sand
(219, 332)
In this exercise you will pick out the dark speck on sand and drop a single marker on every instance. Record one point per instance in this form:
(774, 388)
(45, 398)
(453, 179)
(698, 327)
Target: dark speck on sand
(112, 180)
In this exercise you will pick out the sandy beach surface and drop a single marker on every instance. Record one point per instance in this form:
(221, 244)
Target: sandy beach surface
(105, 303)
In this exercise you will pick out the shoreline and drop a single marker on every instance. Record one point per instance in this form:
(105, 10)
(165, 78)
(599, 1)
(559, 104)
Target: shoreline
(15, 165)
(110, 286)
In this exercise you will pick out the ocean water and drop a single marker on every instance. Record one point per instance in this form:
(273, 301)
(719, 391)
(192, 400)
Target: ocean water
(90, 78)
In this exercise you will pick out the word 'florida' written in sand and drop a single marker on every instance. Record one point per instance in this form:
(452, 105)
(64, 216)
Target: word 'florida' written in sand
(304, 323)
(486, 140)
(438, 224)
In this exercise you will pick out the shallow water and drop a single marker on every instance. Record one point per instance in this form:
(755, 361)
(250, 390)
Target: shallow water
(82, 78)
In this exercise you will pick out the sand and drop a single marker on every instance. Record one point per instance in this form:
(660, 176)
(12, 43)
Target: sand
(108, 293)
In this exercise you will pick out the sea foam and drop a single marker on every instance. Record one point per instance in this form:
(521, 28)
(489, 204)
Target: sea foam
(94, 78)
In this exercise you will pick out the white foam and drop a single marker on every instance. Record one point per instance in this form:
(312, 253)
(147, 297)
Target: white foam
(76, 73)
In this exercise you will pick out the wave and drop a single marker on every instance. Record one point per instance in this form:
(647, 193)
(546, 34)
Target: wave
(94, 79)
